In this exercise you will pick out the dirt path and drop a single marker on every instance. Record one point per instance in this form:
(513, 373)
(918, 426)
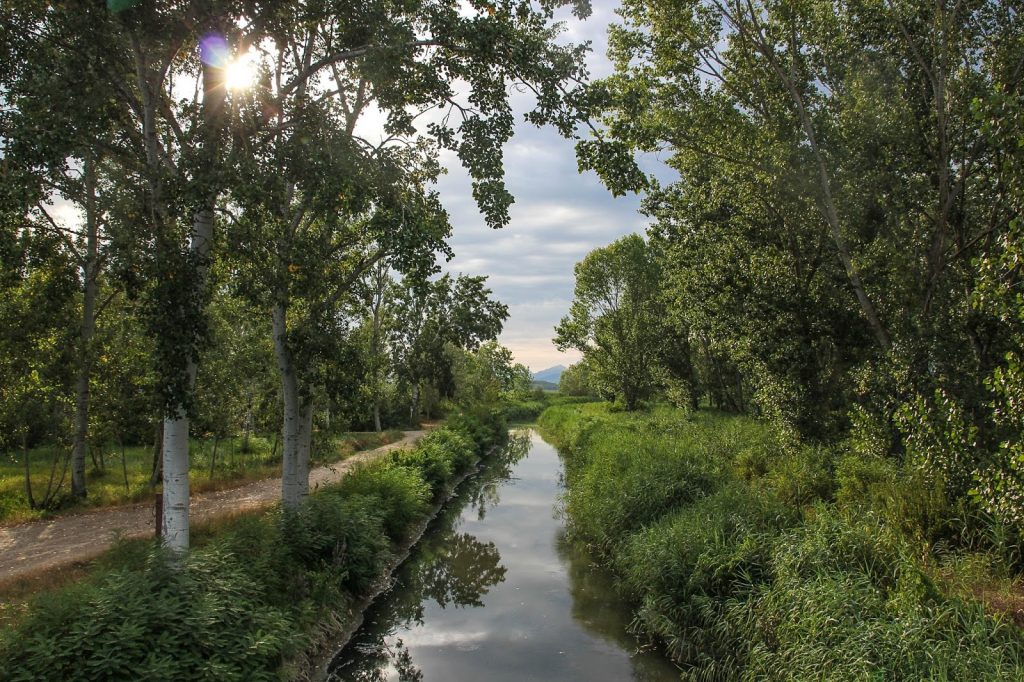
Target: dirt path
(38, 546)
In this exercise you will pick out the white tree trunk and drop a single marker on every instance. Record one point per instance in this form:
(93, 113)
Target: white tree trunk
(175, 521)
(176, 428)
(175, 516)
(414, 408)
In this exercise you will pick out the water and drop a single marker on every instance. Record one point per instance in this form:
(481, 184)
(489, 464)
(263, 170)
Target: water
(495, 592)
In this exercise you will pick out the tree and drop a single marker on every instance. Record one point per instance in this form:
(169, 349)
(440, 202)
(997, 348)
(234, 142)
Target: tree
(150, 97)
(575, 380)
(615, 318)
(489, 375)
(835, 185)
(430, 318)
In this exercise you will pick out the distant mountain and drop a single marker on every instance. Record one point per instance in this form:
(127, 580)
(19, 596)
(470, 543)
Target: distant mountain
(551, 374)
(545, 385)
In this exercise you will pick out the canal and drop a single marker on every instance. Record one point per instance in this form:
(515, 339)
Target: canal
(495, 592)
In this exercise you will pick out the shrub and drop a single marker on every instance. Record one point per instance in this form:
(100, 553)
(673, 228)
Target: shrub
(432, 463)
(207, 621)
(403, 496)
(242, 604)
(458, 445)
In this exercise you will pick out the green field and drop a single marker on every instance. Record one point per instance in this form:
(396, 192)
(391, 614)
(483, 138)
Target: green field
(122, 476)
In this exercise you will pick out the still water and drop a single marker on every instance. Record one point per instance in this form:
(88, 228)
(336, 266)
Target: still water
(495, 592)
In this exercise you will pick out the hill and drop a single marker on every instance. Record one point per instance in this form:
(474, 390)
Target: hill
(550, 375)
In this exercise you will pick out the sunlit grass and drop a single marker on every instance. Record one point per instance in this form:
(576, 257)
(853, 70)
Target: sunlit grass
(123, 476)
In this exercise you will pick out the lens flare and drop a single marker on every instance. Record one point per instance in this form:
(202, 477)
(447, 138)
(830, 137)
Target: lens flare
(214, 50)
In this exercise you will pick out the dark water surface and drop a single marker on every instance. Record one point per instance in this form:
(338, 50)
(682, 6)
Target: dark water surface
(495, 592)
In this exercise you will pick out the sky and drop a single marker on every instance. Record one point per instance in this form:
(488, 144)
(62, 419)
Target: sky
(558, 217)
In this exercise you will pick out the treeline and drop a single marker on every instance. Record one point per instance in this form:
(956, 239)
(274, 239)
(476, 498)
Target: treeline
(219, 217)
(840, 251)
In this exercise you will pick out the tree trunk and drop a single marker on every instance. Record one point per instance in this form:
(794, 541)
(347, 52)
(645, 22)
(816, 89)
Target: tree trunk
(176, 423)
(290, 490)
(124, 466)
(305, 442)
(213, 455)
(414, 407)
(28, 473)
(376, 415)
(247, 424)
(88, 328)
(157, 474)
(176, 485)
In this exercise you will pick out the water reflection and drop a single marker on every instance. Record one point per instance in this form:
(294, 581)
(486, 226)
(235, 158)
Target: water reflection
(597, 607)
(493, 592)
(485, 494)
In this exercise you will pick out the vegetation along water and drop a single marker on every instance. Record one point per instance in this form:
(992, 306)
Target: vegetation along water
(751, 558)
(496, 591)
(241, 239)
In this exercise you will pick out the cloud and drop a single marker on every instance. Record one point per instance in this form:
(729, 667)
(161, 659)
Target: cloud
(558, 217)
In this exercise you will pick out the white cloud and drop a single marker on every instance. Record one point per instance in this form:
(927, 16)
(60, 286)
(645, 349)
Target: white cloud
(559, 216)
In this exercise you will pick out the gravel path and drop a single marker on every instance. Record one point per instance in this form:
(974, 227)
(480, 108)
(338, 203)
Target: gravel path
(30, 548)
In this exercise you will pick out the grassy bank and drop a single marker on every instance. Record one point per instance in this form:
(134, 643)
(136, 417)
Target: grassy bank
(254, 595)
(748, 557)
(527, 411)
(121, 475)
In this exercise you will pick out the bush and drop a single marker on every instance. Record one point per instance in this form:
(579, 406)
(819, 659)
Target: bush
(207, 621)
(402, 494)
(458, 445)
(432, 463)
(485, 428)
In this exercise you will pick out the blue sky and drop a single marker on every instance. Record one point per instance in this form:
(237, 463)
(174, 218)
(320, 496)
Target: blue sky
(559, 216)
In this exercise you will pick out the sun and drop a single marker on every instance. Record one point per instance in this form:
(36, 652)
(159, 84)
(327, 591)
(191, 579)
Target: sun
(240, 72)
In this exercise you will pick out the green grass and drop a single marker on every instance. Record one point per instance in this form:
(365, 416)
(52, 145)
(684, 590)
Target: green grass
(527, 411)
(748, 556)
(251, 595)
(107, 486)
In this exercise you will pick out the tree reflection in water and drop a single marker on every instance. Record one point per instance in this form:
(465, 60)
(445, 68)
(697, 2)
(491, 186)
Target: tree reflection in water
(485, 496)
(596, 607)
(449, 567)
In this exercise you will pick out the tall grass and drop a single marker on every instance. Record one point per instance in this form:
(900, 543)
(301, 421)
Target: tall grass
(748, 556)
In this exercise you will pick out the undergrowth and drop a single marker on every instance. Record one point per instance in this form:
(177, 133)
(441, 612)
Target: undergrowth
(748, 556)
(246, 601)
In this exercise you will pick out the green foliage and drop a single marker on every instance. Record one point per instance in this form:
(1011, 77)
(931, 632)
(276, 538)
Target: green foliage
(486, 428)
(842, 235)
(750, 556)
(576, 380)
(616, 318)
(402, 493)
(242, 604)
(434, 465)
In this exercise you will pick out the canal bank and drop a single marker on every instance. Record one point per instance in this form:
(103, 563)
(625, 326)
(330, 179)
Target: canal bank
(494, 591)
